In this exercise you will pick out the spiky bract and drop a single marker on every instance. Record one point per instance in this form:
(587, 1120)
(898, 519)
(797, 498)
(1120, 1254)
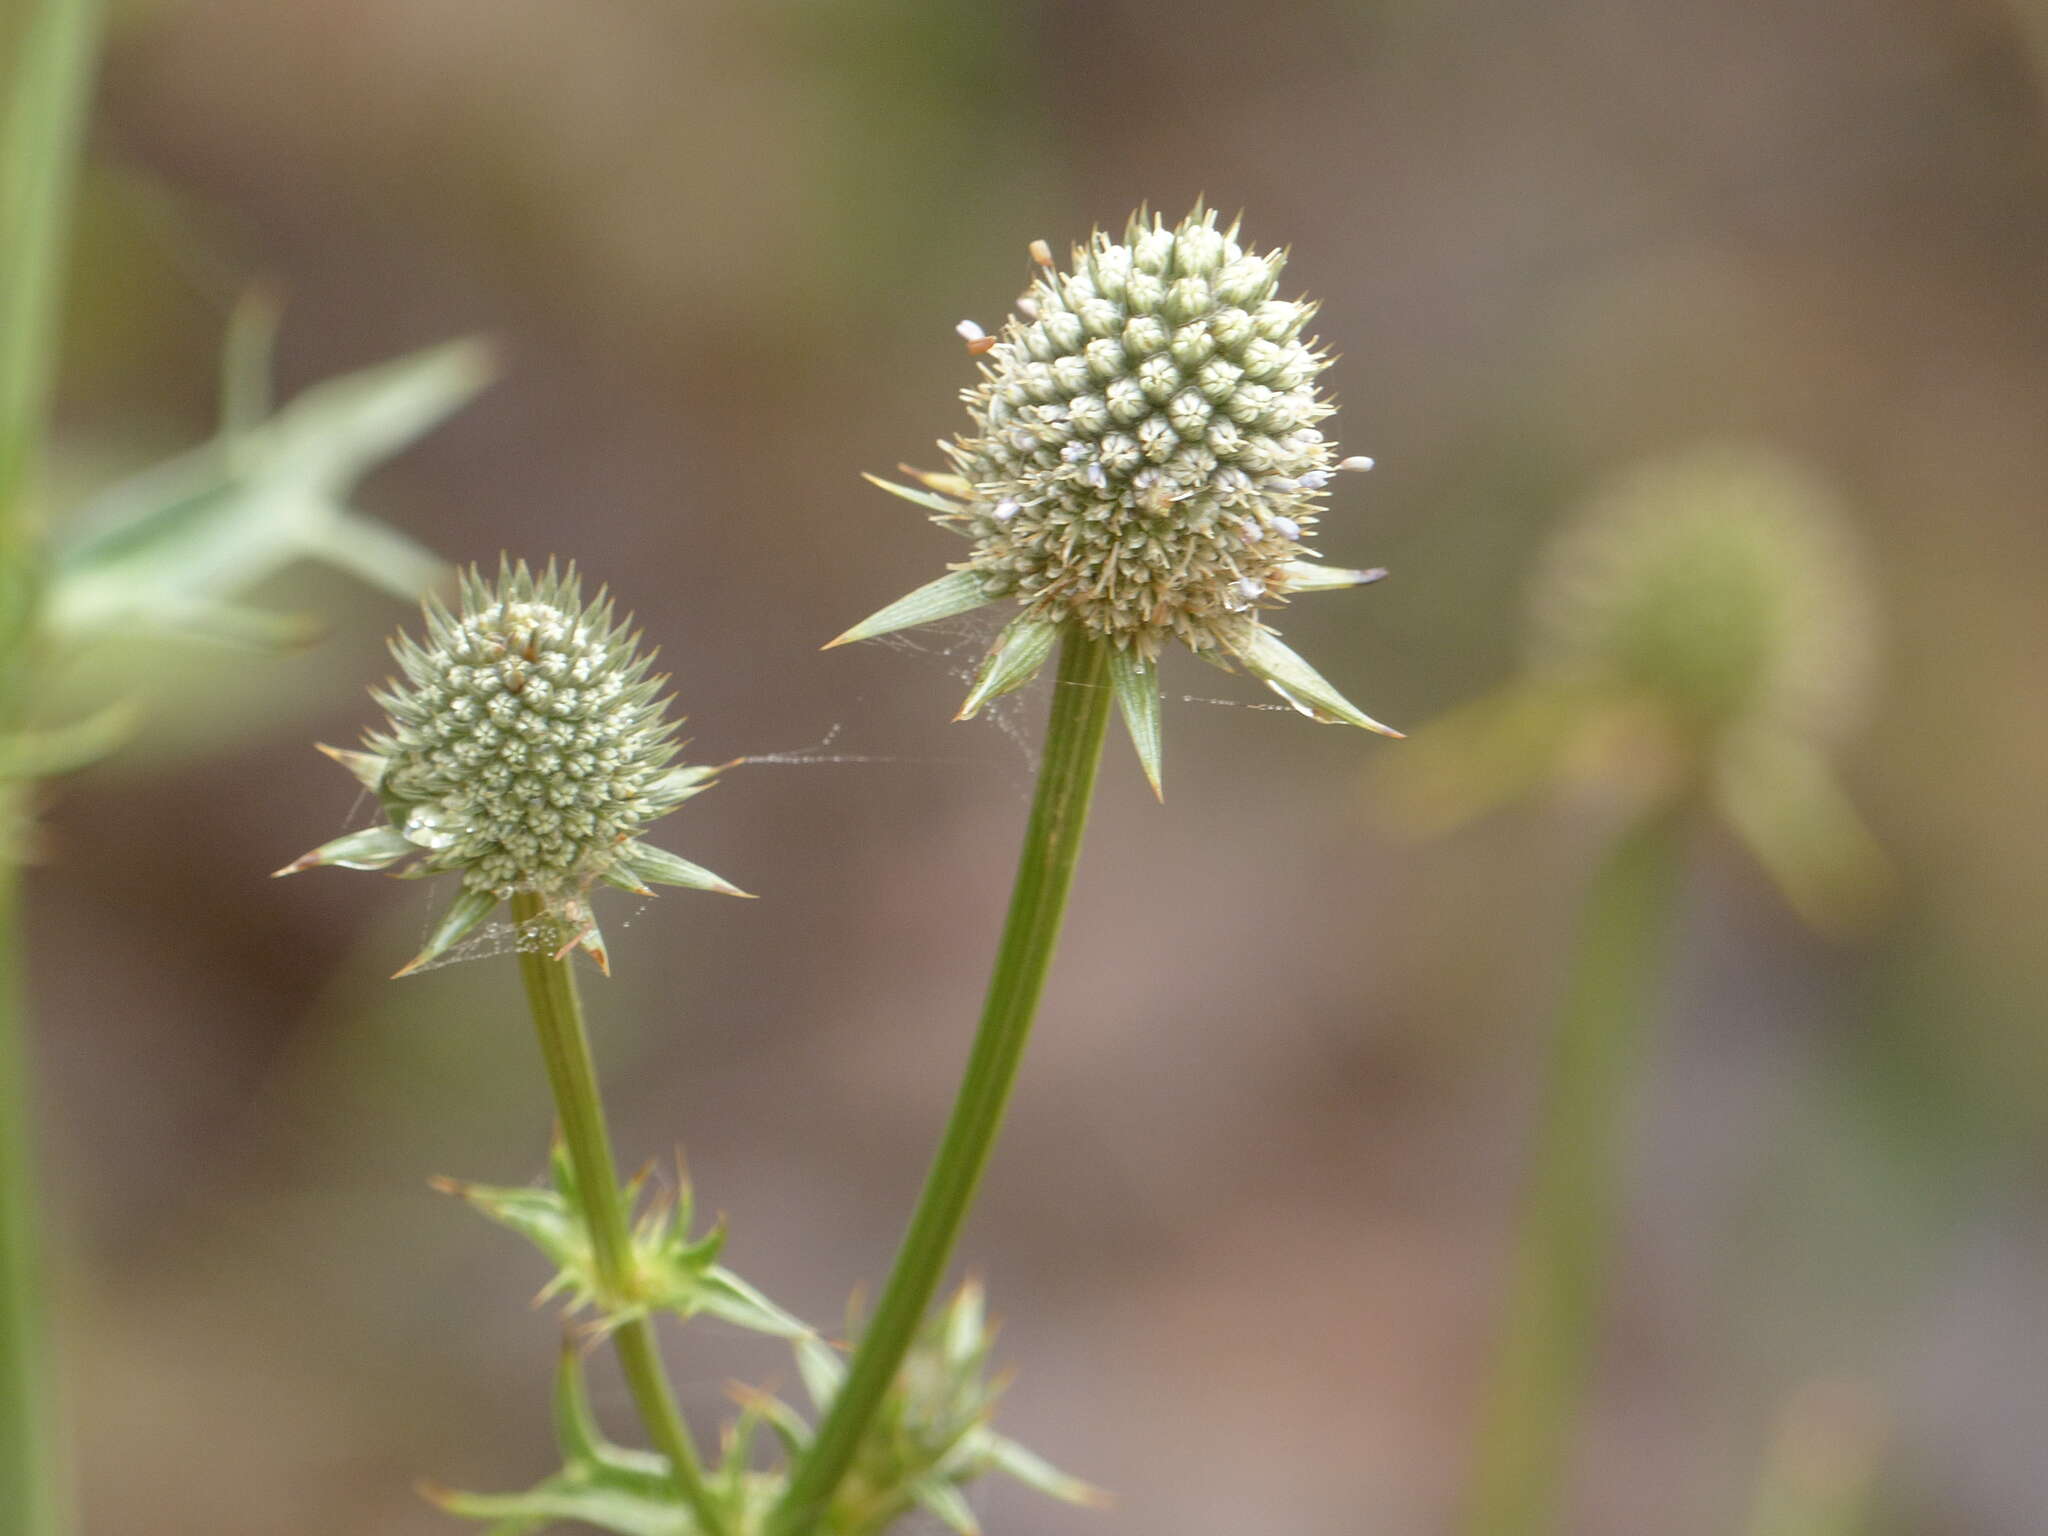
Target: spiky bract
(526, 748)
(1145, 464)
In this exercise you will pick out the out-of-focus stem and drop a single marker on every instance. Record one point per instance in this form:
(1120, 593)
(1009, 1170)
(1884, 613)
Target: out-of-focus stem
(565, 1047)
(45, 82)
(1551, 1326)
(1045, 870)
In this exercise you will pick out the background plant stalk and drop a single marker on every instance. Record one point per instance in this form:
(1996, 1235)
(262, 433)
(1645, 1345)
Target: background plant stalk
(1045, 869)
(45, 86)
(1551, 1327)
(565, 1047)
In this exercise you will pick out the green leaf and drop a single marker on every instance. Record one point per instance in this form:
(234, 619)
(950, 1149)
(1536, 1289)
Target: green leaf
(955, 593)
(1300, 684)
(1788, 808)
(375, 555)
(723, 1294)
(373, 848)
(818, 1363)
(593, 1501)
(367, 767)
(1314, 576)
(1482, 756)
(945, 506)
(544, 1217)
(1137, 696)
(602, 1485)
(949, 1504)
(39, 754)
(174, 546)
(463, 917)
(1020, 650)
(1035, 1472)
(661, 867)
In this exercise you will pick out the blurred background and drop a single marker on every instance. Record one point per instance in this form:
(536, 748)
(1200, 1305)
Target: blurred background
(1249, 1225)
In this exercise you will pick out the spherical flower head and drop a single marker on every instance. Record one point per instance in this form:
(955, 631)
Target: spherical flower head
(1146, 463)
(525, 748)
(1701, 635)
(1721, 586)
(1146, 456)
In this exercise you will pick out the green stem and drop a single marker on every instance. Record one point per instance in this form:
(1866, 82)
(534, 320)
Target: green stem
(565, 1047)
(1045, 870)
(45, 86)
(1552, 1317)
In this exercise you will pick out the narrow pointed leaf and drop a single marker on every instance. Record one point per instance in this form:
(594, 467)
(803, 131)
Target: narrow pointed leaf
(1020, 650)
(724, 1294)
(245, 361)
(380, 556)
(1786, 805)
(942, 504)
(1469, 763)
(591, 942)
(541, 1216)
(1314, 576)
(679, 784)
(1296, 681)
(1035, 1472)
(576, 1430)
(1137, 696)
(461, 919)
(621, 1511)
(660, 867)
(235, 625)
(822, 1370)
(949, 1504)
(38, 754)
(957, 486)
(954, 593)
(622, 877)
(788, 1427)
(368, 767)
(338, 429)
(373, 848)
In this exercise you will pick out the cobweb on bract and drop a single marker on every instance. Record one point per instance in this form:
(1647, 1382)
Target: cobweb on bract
(958, 645)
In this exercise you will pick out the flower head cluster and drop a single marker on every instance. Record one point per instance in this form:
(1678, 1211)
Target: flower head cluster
(525, 750)
(1146, 463)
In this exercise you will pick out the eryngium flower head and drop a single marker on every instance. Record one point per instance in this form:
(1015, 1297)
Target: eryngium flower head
(1701, 635)
(525, 749)
(1719, 586)
(1146, 463)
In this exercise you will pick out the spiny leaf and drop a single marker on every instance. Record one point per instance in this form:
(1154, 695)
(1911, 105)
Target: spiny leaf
(661, 867)
(463, 917)
(1137, 696)
(1314, 576)
(39, 754)
(373, 848)
(1295, 680)
(955, 593)
(1793, 815)
(1020, 650)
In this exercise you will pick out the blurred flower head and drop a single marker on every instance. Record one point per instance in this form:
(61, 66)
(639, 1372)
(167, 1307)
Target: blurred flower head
(1720, 588)
(1701, 633)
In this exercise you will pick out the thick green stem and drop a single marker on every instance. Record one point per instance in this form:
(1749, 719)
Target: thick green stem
(565, 1047)
(1551, 1324)
(45, 84)
(1045, 870)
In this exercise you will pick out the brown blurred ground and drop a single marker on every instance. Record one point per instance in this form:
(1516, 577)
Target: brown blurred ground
(1248, 1224)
